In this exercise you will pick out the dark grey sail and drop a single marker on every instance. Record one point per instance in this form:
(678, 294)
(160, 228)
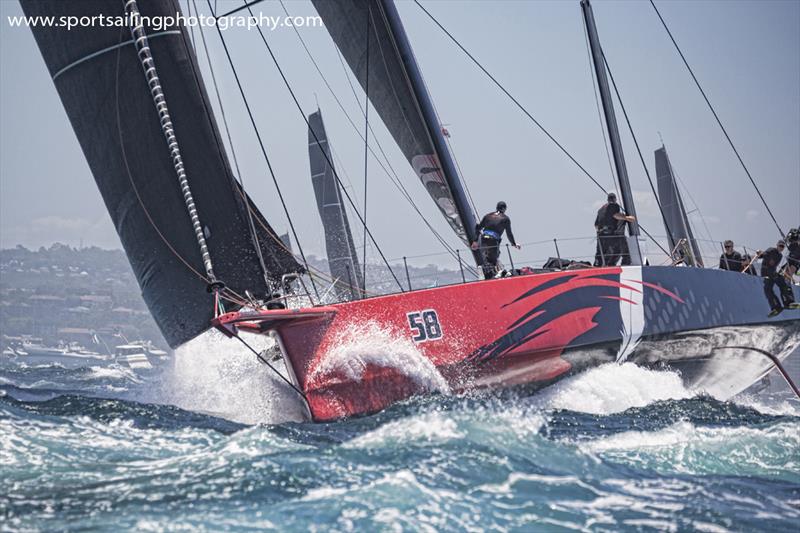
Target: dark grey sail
(399, 96)
(339, 245)
(286, 240)
(101, 83)
(677, 221)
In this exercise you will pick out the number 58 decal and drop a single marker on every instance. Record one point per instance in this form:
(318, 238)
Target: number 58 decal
(425, 325)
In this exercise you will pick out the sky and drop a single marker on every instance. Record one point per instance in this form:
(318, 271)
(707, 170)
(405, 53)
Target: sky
(745, 54)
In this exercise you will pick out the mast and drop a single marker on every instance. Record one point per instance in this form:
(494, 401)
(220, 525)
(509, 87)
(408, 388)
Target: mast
(613, 131)
(431, 121)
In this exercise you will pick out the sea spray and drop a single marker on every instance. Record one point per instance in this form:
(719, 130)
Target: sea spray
(370, 344)
(613, 388)
(220, 376)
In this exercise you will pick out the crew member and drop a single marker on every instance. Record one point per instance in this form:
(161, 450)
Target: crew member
(490, 232)
(610, 227)
(730, 258)
(747, 264)
(770, 261)
(793, 260)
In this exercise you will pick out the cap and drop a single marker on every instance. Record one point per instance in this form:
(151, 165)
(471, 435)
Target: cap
(781, 243)
(501, 206)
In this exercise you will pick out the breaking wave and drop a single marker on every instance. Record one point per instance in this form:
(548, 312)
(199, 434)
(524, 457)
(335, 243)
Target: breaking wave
(617, 448)
(613, 388)
(216, 375)
(369, 344)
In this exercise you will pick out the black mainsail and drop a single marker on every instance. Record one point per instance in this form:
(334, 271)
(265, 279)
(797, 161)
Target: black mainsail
(101, 84)
(369, 31)
(339, 245)
(675, 217)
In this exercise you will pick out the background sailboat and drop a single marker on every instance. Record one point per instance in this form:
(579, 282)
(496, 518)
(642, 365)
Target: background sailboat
(676, 220)
(343, 263)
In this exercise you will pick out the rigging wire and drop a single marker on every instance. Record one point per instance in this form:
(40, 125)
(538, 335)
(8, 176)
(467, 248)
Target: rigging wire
(509, 95)
(460, 172)
(525, 111)
(391, 173)
(236, 298)
(313, 133)
(189, 15)
(278, 242)
(366, 150)
(636, 144)
(264, 152)
(148, 65)
(250, 224)
(246, 5)
(694, 203)
(275, 370)
(394, 177)
(716, 117)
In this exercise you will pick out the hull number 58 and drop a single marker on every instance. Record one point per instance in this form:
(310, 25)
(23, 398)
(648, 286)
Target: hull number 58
(425, 325)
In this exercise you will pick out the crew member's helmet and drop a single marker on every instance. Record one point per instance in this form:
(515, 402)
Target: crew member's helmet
(793, 235)
(501, 206)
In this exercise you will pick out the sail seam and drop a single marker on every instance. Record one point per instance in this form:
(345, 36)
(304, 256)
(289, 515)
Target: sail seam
(109, 49)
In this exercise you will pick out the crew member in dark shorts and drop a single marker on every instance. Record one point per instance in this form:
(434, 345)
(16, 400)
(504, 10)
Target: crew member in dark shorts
(490, 233)
(770, 261)
(730, 259)
(610, 227)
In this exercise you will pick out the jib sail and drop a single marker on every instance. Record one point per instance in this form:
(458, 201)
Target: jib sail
(677, 221)
(371, 39)
(339, 245)
(101, 84)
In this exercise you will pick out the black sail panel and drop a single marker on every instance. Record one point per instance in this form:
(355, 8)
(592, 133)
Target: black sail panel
(673, 209)
(339, 245)
(390, 91)
(102, 86)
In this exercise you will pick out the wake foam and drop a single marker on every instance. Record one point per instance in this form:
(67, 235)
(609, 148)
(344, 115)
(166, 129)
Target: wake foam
(221, 377)
(776, 405)
(613, 388)
(369, 344)
(688, 448)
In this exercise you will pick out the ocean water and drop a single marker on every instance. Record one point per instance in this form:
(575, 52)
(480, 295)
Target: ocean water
(214, 444)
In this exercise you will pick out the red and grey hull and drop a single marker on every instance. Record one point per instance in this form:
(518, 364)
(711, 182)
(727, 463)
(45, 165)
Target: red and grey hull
(532, 330)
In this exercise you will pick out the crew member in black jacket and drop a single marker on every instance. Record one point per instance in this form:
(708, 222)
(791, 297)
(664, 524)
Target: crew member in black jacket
(490, 231)
(730, 258)
(770, 261)
(610, 226)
